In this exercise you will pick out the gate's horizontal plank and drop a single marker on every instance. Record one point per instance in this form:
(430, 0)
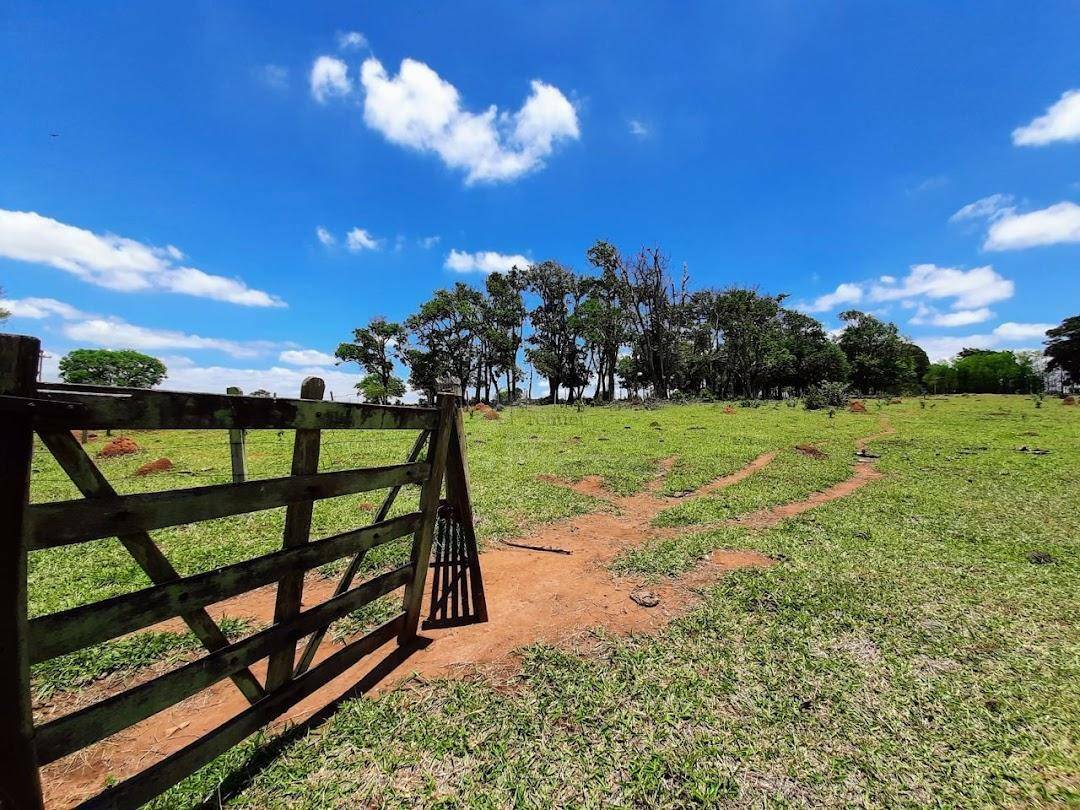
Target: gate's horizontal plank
(132, 408)
(86, 726)
(70, 630)
(144, 786)
(65, 522)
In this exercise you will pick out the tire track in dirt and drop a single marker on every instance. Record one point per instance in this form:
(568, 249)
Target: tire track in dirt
(533, 597)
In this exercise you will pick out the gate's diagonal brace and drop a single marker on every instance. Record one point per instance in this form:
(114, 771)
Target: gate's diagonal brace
(88, 478)
(347, 578)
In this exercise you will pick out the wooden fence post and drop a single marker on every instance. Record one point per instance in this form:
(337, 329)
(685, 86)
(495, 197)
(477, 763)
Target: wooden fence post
(457, 495)
(429, 507)
(21, 784)
(236, 445)
(297, 532)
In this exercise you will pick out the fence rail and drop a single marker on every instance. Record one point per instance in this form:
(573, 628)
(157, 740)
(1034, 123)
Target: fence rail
(53, 411)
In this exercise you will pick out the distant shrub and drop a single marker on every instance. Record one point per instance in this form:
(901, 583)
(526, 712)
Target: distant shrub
(826, 395)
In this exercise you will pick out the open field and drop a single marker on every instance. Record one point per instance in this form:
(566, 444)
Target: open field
(915, 642)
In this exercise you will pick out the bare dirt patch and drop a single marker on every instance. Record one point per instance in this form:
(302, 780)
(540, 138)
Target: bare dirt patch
(811, 451)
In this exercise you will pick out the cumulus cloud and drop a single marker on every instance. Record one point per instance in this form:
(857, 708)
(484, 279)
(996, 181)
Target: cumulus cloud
(358, 239)
(960, 317)
(325, 236)
(420, 110)
(39, 308)
(429, 242)
(306, 357)
(484, 261)
(1049, 226)
(846, 293)
(944, 347)
(991, 207)
(1061, 122)
(351, 41)
(116, 334)
(329, 79)
(637, 128)
(115, 262)
(970, 289)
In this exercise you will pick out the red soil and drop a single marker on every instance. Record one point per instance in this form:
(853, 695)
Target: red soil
(533, 596)
(855, 406)
(151, 467)
(120, 446)
(810, 450)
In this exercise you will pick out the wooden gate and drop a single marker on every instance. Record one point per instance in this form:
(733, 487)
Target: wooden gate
(53, 411)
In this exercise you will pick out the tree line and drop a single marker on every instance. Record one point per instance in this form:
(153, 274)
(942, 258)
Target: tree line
(629, 323)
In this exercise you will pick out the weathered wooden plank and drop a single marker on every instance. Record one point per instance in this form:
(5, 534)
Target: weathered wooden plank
(458, 496)
(20, 786)
(145, 785)
(66, 522)
(96, 722)
(429, 506)
(69, 630)
(306, 446)
(236, 446)
(346, 580)
(82, 471)
(169, 410)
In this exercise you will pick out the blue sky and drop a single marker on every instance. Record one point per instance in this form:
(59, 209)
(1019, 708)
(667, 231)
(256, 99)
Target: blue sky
(166, 170)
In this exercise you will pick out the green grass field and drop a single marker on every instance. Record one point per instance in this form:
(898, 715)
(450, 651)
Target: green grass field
(917, 644)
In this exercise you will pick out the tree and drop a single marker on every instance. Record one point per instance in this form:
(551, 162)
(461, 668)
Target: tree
(4, 314)
(554, 347)
(814, 359)
(447, 328)
(372, 348)
(1063, 348)
(123, 367)
(876, 353)
(650, 297)
(375, 390)
(604, 320)
(981, 371)
(920, 362)
(504, 326)
(940, 378)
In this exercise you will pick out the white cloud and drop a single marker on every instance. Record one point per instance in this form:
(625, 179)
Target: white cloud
(351, 41)
(429, 242)
(39, 308)
(943, 347)
(991, 207)
(116, 334)
(971, 289)
(846, 293)
(325, 236)
(960, 317)
(638, 129)
(1022, 331)
(329, 78)
(275, 76)
(115, 262)
(306, 357)
(358, 239)
(1056, 224)
(1061, 122)
(420, 110)
(483, 261)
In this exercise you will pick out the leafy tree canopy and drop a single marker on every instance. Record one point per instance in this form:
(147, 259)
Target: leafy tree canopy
(1063, 348)
(124, 367)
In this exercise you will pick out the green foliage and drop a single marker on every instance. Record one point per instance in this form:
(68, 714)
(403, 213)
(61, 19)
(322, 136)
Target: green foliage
(979, 371)
(880, 360)
(826, 395)
(1063, 348)
(123, 367)
(373, 347)
(375, 389)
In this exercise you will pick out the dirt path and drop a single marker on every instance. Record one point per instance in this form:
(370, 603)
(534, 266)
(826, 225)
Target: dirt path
(533, 596)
